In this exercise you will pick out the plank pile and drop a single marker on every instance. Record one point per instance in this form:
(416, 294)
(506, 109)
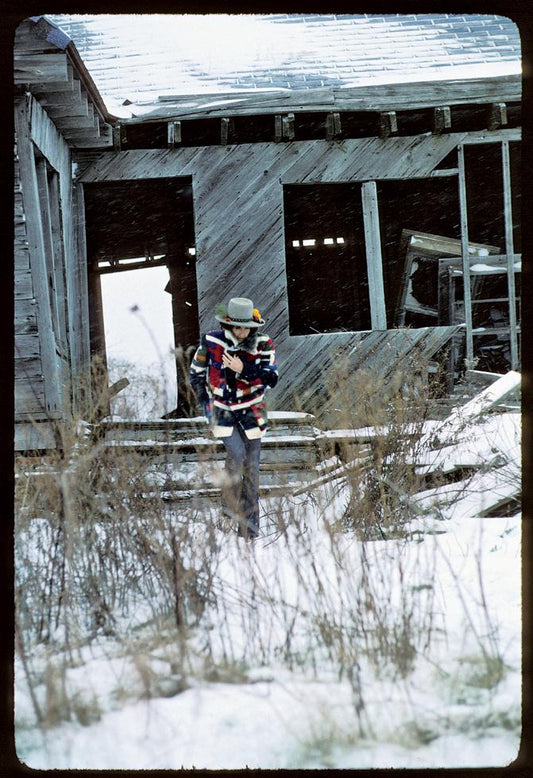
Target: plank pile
(471, 444)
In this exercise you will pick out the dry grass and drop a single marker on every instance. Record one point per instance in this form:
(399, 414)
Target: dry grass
(98, 548)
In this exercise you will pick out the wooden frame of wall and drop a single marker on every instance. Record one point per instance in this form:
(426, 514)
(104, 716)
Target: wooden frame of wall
(51, 338)
(237, 192)
(511, 257)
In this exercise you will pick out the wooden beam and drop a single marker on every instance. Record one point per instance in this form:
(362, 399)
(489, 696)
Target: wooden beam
(88, 140)
(467, 292)
(444, 172)
(79, 307)
(118, 386)
(225, 124)
(509, 249)
(173, 134)
(493, 136)
(71, 93)
(32, 436)
(278, 128)
(119, 136)
(333, 126)
(374, 260)
(71, 110)
(40, 68)
(46, 221)
(87, 122)
(47, 138)
(442, 119)
(377, 97)
(388, 124)
(497, 116)
(28, 178)
(352, 159)
(288, 126)
(69, 84)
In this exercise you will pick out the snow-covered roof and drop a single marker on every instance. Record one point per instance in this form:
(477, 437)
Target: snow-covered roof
(149, 60)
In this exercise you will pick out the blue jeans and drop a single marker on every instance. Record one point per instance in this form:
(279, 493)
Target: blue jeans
(240, 494)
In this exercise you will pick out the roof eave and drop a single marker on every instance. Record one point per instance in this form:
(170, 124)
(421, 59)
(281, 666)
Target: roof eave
(368, 97)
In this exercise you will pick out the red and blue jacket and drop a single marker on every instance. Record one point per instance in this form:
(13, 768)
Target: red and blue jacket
(230, 397)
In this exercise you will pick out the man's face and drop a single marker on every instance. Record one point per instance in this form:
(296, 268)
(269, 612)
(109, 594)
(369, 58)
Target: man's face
(241, 332)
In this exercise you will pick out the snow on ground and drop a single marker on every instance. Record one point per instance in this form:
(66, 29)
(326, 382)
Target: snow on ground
(458, 704)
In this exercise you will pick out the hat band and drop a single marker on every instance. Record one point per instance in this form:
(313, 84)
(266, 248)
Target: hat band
(234, 318)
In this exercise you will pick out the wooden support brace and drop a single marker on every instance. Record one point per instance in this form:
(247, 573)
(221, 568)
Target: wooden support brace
(118, 386)
(333, 125)
(173, 134)
(442, 119)
(497, 116)
(288, 126)
(388, 124)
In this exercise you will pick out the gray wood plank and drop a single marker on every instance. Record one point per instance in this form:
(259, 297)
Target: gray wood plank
(28, 179)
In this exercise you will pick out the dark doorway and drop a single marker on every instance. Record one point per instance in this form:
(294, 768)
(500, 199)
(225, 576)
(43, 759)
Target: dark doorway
(140, 224)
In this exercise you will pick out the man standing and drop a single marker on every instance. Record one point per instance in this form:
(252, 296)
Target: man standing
(230, 372)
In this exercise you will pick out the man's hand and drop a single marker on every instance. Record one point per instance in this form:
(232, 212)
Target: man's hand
(234, 363)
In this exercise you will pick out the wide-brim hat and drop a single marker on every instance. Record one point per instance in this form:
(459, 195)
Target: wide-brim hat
(239, 312)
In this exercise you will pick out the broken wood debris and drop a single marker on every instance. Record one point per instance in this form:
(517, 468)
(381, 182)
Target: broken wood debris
(467, 449)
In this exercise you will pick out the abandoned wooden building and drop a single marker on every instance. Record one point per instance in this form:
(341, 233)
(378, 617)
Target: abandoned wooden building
(367, 211)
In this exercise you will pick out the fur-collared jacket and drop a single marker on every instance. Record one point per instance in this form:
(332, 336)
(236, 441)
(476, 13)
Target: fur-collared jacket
(227, 397)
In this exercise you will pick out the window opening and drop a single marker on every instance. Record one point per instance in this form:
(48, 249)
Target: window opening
(415, 230)
(327, 279)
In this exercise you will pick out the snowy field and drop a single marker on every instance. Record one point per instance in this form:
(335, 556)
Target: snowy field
(317, 649)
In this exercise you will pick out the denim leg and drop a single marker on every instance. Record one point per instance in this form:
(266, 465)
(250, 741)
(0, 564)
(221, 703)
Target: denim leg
(250, 483)
(232, 488)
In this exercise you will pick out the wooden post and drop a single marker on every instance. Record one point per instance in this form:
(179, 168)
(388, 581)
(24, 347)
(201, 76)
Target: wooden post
(509, 250)
(119, 136)
(173, 134)
(442, 119)
(59, 263)
(333, 125)
(224, 130)
(388, 124)
(32, 206)
(497, 116)
(42, 186)
(77, 281)
(278, 128)
(374, 263)
(467, 292)
(288, 126)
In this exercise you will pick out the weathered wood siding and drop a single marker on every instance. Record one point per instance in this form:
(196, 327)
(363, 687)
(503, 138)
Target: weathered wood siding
(51, 337)
(238, 211)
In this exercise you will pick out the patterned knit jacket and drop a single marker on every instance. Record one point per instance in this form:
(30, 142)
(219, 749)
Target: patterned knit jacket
(234, 397)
